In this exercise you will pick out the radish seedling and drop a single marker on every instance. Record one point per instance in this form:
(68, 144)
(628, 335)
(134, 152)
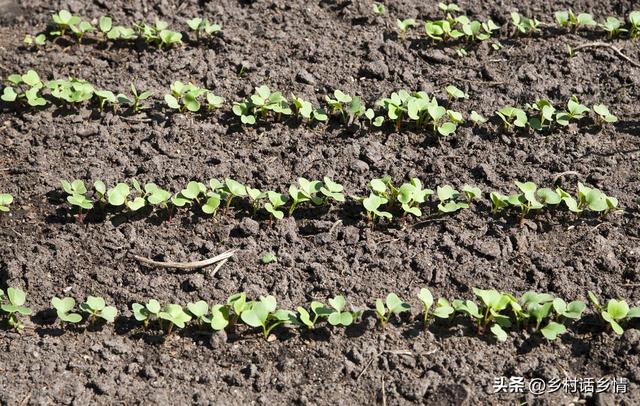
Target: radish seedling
(174, 314)
(306, 192)
(372, 205)
(617, 312)
(199, 310)
(15, 307)
(455, 93)
(426, 298)
(603, 114)
(595, 200)
(136, 100)
(184, 96)
(477, 118)
(255, 196)
(340, 317)
(264, 314)
(158, 34)
(5, 201)
(318, 309)
(276, 201)
(63, 308)
(525, 25)
(612, 26)
(411, 195)
(145, 312)
(82, 29)
(63, 21)
(567, 18)
(202, 26)
(392, 305)
(106, 96)
(571, 310)
(76, 192)
(231, 189)
(121, 32)
(547, 111)
(404, 25)
(305, 110)
(37, 40)
(219, 317)
(493, 303)
(96, 307)
(190, 193)
(634, 22)
(512, 116)
(448, 197)
(331, 190)
(575, 111)
(379, 9)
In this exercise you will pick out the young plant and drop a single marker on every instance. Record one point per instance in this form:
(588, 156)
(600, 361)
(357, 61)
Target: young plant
(489, 315)
(96, 307)
(454, 93)
(372, 205)
(76, 192)
(379, 9)
(595, 200)
(231, 189)
(331, 190)
(199, 311)
(524, 25)
(189, 194)
(575, 111)
(305, 110)
(276, 201)
(617, 311)
(477, 118)
(146, 312)
(106, 96)
(338, 316)
(404, 25)
(174, 314)
(411, 195)
(449, 202)
(158, 34)
(512, 116)
(219, 317)
(547, 112)
(634, 22)
(15, 307)
(392, 305)
(612, 26)
(184, 96)
(37, 40)
(306, 192)
(135, 101)
(567, 18)
(349, 107)
(264, 314)
(603, 114)
(63, 21)
(318, 309)
(203, 26)
(5, 201)
(63, 308)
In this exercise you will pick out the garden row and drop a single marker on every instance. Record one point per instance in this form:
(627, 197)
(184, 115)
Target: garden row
(495, 312)
(454, 26)
(385, 200)
(416, 109)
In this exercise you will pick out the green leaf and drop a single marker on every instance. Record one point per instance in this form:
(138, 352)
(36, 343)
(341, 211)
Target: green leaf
(552, 330)
(500, 334)
(338, 303)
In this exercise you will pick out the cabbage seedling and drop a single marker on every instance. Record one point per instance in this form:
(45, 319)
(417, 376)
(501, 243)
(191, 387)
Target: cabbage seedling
(263, 314)
(374, 121)
(136, 100)
(318, 309)
(340, 317)
(105, 24)
(305, 193)
(612, 26)
(340, 102)
(203, 26)
(449, 10)
(603, 114)
(5, 201)
(145, 312)
(575, 111)
(449, 203)
(512, 116)
(276, 201)
(404, 25)
(174, 314)
(96, 307)
(82, 29)
(238, 303)
(158, 34)
(255, 196)
(392, 305)
(63, 308)
(475, 30)
(121, 32)
(616, 312)
(15, 307)
(397, 106)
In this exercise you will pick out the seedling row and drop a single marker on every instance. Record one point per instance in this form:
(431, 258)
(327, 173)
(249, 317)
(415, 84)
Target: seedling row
(492, 311)
(403, 109)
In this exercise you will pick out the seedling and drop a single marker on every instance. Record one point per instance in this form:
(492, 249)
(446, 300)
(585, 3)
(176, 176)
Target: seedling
(174, 314)
(512, 116)
(374, 121)
(71, 91)
(82, 29)
(255, 196)
(238, 303)
(525, 25)
(595, 200)
(145, 312)
(184, 96)
(617, 312)
(331, 190)
(568, 19)
(37, 40)
(455, 93)
(397, 106)
(268, 257)
(158, 34)
(411, 195)
(392, 305)
(232, 189)
(575, 111)
(203, 26)
(603, 114)
(106, 96)
(346, 105)
(276, 201)
(340, 317)
(76, 192)
(475, 30)
(190, 193)
(305, 110)
(120, 32)
(477, 118)
(572, 310)
(105, 24)
(318, 309)
(372, 205)
(5, 201)
(199, 311)
(15, 307)
(634, 22)
(135, 101)
(260, 103)
(448, 197)
(379, 9)
(157, 196)
(64, 21)
(96, 307)
(426, 298)
(404, 25)
(63, 308)
(612, 26)
(32, 93)
(263, 314)
(441, 30)
(493, 302)
(219, 317)
(306, 192)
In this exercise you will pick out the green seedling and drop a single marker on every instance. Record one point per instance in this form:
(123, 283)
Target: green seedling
(71, 91)
(411, 195)
(203, 26)
(82, 29)
(634, 22)
(146, 312)
(338, 316)
(404, 25)
(211, 205)
(572, 310)
(189, 194)
(442, 30)
(185, 96)
(318, 309)
(6, 200)
(119, 195)
(426, 298)
(260, 104)
(32, 93)
(219, 317)
(37, 40)
(214, 101)
(617, 311)
(537, 307)
(525, 25)
(239, 304)
(199, 311)
(476, 30)
(76, 191)
(612, 26)
(306, 191)
(175, 315)
(448, 197)
(575, 111)
(512, 116)
(120, 32)
(263, 314)
(348, 106)
(461, 52)
(305, 110)
(455, 93)
(547, 112)
(568, 19)
(372, 205)
(379, 9)
(392, 305)
(595, 200)
(331, 190)
(374, 121)
(233, 189)
(63, 308)
(603, 114)
(106, 96)
(397, 106)
(15, 307)
(255, 197)
(96, 307)
(493, 303)
(158, 34)
(276, 201)
(135, 101)
(477, 118)
(268, 257)
(64, 20)
(156, 196)
(105, 24)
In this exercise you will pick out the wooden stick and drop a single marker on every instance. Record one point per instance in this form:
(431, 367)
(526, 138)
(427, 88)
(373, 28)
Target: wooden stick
(186, 265)
(611, 47)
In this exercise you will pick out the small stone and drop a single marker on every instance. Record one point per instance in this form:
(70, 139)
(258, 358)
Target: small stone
(248, 227)
(305, 77)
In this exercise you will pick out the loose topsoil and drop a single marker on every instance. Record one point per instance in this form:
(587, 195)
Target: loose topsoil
(309, 48)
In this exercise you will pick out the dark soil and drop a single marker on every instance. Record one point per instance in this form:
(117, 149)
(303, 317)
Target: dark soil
(310, 48)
